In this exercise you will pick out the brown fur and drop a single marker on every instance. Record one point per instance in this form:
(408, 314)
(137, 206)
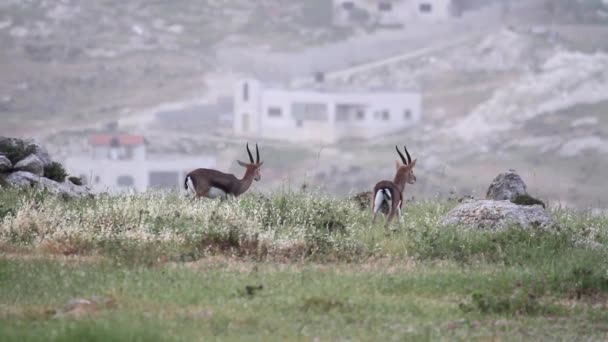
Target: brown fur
(404, 175)
(204, 179)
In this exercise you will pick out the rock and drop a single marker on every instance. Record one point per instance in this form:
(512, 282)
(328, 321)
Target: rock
(506, 186)
(28, 146)
(77, 308)
(31, 164)
(27, 179)
(42, 153)
(495, 215)
(82, 307)
(5, 164)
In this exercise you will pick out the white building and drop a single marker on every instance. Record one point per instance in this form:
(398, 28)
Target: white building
(320, 115)
(390, 12)
(118, 163)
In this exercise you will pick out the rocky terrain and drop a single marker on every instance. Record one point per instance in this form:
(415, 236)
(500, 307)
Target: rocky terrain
(26, 164)
(73, 62)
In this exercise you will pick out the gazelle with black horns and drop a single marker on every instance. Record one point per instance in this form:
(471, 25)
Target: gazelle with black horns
(390, 193)
(215, 184)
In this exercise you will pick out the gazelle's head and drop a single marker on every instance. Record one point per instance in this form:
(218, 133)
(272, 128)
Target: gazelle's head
(253, 166)
(405, 170)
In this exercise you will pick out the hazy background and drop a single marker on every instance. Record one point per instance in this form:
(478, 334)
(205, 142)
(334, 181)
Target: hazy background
(504, 84)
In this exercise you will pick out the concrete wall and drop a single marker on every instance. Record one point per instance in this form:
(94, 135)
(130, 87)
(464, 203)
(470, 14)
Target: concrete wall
(274, 117)
(103, 174)
(403, 11)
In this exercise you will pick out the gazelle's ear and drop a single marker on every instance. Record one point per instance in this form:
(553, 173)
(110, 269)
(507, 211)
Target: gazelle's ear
(413, 163)
(241, 163)
(397, 164)
(260, 163)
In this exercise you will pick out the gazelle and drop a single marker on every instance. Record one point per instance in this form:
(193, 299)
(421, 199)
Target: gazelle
(213, 184)
(391, 192)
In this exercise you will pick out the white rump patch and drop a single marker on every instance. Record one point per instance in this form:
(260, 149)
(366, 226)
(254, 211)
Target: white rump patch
(190, 190)
(383, 195)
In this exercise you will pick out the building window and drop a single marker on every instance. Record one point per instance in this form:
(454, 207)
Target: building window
(163, 179)
(425, 8)
(407, 114)
(246, 92)
(360, 115)
(245, 122)
(385, 7)
(348, 5)
(275, 112)
(350, 111)
(386, 115)
(125, 181)
(309, 111)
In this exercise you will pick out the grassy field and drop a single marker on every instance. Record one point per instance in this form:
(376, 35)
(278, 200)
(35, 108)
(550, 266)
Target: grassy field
(290, 266)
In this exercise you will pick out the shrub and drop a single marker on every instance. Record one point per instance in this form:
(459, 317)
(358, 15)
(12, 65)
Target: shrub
(16, 150)
(75, 180)
(55, 171)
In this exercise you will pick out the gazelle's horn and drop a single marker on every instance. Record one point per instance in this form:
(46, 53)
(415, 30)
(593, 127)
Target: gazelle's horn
(409, 158)
(401, 155)
(250, 156)
(257, 154)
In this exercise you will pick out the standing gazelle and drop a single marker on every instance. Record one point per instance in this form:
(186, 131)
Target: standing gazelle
(213, 184)
(391, 193)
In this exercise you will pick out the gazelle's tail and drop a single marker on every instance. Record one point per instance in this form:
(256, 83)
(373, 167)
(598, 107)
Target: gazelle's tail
(382, 195)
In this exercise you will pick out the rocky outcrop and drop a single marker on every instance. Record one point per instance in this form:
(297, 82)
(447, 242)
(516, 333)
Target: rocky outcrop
(26, 147)
(507, 204)
(26, 164)
(5, 164)
(31, 164)
(495, 215)
(26, 179)
(506, 186)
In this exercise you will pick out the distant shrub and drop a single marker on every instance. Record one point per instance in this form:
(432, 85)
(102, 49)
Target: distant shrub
(16, 150)
(75, 180)
(55, 171)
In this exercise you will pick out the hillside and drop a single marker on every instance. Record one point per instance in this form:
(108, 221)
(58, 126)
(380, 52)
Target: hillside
(73, 61)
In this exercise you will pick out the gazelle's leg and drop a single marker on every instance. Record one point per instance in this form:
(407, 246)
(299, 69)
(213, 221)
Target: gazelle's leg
(399, 212)
(389, 217)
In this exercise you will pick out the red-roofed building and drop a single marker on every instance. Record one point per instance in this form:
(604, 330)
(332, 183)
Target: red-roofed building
(118, 162)
(120, 146)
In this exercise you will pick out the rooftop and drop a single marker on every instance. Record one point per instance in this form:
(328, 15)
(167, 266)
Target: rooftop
(122, 139)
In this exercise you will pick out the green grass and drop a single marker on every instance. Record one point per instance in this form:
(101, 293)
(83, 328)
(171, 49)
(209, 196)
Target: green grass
(178, 269)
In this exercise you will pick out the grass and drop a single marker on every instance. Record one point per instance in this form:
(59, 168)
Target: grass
(290, 266)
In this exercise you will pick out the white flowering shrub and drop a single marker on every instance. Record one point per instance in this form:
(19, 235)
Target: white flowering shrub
(285, 222)
(283, 225)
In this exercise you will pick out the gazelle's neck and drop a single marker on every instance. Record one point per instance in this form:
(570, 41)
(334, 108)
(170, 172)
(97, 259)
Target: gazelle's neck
(400, 180)
(245, 182)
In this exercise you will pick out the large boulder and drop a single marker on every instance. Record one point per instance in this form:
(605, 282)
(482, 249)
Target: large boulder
(506, 186)
(5, 164)
(26, 179)
(31, 164)
(26, 147)
(495, 215)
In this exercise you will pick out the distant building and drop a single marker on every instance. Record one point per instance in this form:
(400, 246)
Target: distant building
(390, 12)
(320, 114)
(119, 162)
